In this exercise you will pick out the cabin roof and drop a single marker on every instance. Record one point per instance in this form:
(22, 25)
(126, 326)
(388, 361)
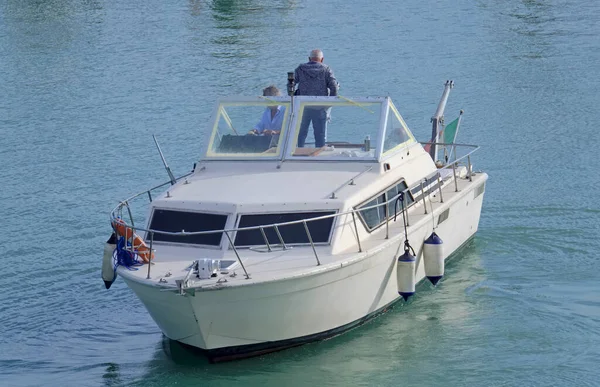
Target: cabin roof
(262, 188)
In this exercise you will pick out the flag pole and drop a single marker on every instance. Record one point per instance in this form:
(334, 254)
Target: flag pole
(460, 114)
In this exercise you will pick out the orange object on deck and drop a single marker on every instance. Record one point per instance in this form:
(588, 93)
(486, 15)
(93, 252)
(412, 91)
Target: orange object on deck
(138, 244)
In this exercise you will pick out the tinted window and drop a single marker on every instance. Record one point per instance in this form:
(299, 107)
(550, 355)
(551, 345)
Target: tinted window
(176, 221)
(320, 230)
(374, 217)
(393, 192)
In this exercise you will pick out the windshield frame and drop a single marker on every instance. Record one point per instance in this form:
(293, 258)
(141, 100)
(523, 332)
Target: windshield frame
(301, 101)
(223, 103)
(288, 139)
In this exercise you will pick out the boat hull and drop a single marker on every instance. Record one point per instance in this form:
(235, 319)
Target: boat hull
(225, 354)
(218, 355)
(242, 321)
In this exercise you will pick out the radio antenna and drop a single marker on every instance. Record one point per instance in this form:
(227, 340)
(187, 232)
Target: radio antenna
(173, 181)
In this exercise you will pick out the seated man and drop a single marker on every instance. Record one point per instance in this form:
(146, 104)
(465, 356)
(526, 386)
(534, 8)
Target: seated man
(272, 118)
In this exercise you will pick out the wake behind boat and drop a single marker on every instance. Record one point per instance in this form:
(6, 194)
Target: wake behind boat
(267, 245)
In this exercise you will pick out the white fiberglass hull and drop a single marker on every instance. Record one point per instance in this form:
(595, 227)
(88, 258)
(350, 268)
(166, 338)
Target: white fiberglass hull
(240, 321)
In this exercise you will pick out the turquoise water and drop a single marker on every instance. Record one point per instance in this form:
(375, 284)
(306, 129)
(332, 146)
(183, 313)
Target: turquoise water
(86, 83)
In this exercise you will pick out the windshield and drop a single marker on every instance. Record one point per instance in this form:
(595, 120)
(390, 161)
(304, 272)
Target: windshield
(340, 128)
(323, 128)
(397, 134)
(253, 129)
(336, 127)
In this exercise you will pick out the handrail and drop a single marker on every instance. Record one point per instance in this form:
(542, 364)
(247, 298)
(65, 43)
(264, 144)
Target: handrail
(311, 241)
(349, 181)
(237, 254)
(453, 145)
(250, 228)
(148, 191)
(449, 143)
(117, 212)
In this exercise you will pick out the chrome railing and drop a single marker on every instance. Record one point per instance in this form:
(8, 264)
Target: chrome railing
(426, 191)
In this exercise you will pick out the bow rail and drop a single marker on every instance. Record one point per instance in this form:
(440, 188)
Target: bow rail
(426, 185)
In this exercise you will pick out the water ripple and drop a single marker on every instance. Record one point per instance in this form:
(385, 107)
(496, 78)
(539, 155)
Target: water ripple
(87, 83)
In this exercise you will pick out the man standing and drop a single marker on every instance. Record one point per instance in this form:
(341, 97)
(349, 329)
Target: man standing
(315, 78)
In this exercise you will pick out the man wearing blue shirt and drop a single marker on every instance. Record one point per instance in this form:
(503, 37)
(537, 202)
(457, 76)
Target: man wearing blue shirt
(272, 118)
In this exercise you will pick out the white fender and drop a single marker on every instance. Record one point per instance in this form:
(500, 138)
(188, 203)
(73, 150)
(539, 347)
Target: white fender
(405, 275)
(433, 258)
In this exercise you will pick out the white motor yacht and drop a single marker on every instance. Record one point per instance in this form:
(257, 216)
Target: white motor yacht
(266, 245)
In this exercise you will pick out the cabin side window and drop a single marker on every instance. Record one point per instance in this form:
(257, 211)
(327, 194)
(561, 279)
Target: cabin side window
(372, 218)
(172, 221)
(395, 207)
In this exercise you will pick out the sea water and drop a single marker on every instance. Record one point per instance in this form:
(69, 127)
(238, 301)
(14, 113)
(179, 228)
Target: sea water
(84, 85)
